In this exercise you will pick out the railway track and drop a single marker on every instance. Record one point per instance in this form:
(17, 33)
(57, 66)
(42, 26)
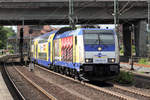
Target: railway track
(129, 92)
(117, 91)
(15, 92)
(26, 85)
(15, 89)
(46, 88)
(37, 86)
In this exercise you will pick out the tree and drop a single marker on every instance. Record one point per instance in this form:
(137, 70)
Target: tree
(5, 32)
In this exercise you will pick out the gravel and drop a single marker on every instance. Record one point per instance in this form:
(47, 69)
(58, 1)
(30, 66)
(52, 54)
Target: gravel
(139, 97)
(73, 87)
(65, 89)
(141, 84)
(28, 91)
(53, 89)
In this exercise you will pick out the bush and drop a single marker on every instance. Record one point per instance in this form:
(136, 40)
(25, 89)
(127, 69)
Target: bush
(125, 78)
(143, 61)
(11, 51)
(133, 49)
(121, 50)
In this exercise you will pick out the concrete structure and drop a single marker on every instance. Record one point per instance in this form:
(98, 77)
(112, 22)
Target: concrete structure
(39, 12)
(56, 11)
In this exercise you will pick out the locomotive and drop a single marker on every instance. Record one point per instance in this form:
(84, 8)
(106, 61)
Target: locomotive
(86, 53)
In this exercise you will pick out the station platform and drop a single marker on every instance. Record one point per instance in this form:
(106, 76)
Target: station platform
(4, 92)
(137, 67)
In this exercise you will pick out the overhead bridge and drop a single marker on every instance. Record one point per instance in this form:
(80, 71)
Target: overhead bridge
(56, 11)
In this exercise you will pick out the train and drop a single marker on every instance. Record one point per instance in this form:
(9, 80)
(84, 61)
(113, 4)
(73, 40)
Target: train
(85, 53)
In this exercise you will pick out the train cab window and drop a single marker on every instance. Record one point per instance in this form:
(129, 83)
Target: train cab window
(98, 37)
(106, 38)
(91, 39)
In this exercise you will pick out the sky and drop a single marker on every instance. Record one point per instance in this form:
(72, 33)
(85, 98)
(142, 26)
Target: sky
(13, 27)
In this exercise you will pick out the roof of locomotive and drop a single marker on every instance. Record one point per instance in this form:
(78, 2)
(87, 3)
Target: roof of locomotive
(67, 33)
(47, 34)
(78, 32)
(44, 35)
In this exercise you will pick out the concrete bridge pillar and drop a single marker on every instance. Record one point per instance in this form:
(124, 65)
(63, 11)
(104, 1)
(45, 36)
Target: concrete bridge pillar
(141, 38)
(127, 39)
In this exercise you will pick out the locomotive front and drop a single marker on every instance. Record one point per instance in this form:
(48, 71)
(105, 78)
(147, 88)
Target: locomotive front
(101, 54)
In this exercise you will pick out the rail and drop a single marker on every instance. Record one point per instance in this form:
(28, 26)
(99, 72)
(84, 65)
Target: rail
(14, 90)
(37, 86)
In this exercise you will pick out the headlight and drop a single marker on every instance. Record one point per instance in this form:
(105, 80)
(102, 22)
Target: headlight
(111, 60)
(88, 60)
(99, 48)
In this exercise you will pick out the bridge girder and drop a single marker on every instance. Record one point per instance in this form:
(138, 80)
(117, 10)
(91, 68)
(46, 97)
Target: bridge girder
(53, 15)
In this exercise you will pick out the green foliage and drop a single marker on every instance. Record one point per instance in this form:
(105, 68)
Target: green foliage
(125, 78)
(5, 32)
(11, 51)
(9, 46)
(144, 61)
(121, 50)
(9, 31)
(133, 48)
(3, 38)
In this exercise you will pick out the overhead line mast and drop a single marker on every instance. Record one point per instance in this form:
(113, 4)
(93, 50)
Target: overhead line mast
(148, 25)
(116, 18)
(116, 13)
(71, 14)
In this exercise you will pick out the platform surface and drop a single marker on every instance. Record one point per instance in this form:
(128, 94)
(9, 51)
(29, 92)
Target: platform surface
(4, 92)
(137, 68)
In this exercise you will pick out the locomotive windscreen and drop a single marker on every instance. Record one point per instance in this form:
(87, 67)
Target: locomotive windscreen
(99, 37)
